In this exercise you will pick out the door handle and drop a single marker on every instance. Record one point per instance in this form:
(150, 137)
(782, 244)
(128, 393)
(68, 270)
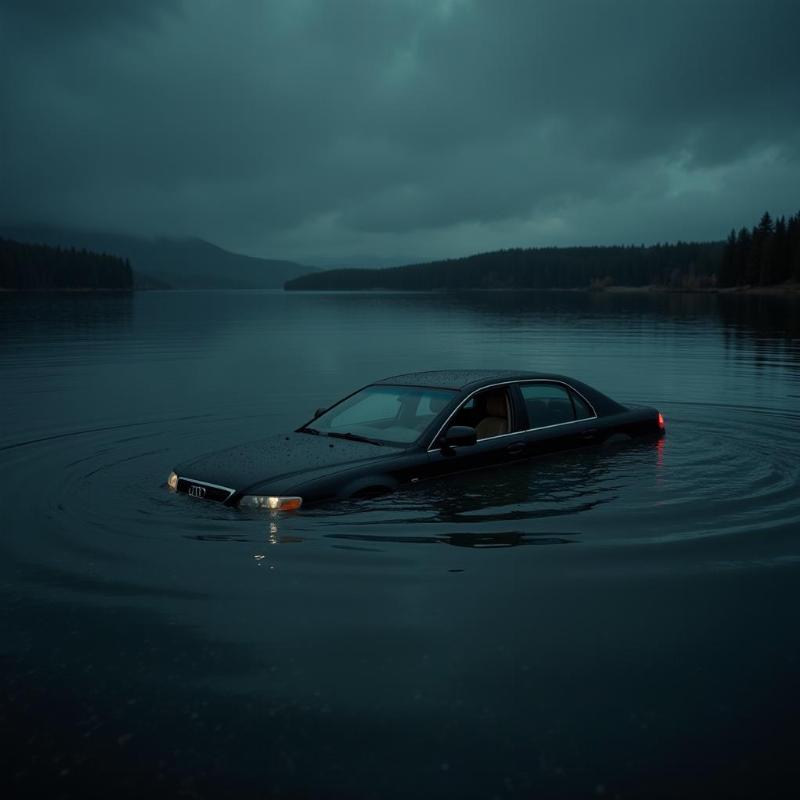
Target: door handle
(515, 449)
(590, 434)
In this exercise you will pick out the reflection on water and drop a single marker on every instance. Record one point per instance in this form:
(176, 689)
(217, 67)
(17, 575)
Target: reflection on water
(507, 539)
(333, 652)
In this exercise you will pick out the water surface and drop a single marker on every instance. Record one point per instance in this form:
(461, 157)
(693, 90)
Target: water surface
(617, 621)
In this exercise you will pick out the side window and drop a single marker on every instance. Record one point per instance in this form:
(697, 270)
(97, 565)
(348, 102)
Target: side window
(582, 410)
(489, 412)
(547, 404)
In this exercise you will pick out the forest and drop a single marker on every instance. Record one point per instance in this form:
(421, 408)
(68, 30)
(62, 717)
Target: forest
(35, 267)
(768, 255)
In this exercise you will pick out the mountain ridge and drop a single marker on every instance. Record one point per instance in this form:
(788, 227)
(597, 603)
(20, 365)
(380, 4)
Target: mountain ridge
(169, 262)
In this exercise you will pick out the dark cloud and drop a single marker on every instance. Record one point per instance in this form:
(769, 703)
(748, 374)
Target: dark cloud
(415, 127)
(66, 17)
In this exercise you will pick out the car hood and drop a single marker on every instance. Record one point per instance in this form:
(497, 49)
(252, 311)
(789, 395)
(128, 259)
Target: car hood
(278, 457)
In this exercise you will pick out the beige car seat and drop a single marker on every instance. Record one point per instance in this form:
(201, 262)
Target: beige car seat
(495, 423)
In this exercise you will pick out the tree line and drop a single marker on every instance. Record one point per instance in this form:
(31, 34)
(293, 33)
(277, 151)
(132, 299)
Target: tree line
(36, 267)
(767, 255)
(680, 265)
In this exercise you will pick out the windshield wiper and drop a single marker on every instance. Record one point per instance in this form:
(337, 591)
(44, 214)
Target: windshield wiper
(306, 429)
(354, 437)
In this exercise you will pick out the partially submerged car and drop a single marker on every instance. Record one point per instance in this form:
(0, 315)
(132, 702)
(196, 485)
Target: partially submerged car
(411, 428)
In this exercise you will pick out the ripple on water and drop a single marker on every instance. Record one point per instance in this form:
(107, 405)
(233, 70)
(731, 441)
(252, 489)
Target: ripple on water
(722, 472)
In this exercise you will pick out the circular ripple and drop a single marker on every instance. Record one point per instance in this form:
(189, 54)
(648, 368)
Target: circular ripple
(721, 471)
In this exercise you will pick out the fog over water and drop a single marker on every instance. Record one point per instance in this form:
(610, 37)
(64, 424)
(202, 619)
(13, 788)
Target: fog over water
(607, 622)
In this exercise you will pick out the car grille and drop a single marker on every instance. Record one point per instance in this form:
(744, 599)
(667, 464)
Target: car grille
(204, 491)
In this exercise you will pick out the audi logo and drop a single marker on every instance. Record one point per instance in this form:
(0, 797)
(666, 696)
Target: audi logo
(197, 491)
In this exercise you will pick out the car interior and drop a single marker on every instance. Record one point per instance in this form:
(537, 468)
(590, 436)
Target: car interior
(394, 414)
(488, 412)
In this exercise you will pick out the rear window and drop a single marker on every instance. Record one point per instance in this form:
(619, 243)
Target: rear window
(582, 409)
(552, 404)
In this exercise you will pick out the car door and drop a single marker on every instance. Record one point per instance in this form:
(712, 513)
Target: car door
(497, 443)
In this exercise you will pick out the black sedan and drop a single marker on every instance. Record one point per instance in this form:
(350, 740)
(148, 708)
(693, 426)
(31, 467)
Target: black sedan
(411, 428)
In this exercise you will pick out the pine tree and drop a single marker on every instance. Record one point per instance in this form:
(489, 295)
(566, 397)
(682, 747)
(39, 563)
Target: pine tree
(793, 246)
(781, 268)
(764, 255)
(727, 267)
(744, 244)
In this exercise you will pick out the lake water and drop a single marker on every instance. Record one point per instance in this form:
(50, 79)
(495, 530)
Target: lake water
(617, 622)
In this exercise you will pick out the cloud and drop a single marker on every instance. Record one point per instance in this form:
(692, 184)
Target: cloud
(400, 126)
(42, 17)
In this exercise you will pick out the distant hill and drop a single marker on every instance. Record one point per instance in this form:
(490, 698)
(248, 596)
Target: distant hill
(361, 262)
(168, 262)
(29, 267)
(681, 265)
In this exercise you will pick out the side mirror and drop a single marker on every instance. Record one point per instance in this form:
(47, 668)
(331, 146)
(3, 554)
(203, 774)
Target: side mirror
(459, 436)
(319, 412)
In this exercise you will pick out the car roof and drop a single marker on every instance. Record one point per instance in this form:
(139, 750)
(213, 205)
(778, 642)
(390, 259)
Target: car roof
(460, 379)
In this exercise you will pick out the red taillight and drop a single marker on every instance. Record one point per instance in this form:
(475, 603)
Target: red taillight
(661, 421)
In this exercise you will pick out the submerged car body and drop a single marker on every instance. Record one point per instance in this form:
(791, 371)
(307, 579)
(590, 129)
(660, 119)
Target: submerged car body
(411, 428)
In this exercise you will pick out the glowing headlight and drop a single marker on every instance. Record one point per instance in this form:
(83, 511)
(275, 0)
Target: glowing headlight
(271, 503)
(172, 481)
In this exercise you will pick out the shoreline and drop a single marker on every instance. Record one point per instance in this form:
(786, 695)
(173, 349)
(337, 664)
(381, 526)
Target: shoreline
(86, 290)
(781, 290)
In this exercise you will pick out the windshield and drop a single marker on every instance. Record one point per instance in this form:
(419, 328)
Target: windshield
(383, 414)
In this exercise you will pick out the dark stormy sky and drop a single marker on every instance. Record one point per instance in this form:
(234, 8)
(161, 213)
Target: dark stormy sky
(400, 128)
